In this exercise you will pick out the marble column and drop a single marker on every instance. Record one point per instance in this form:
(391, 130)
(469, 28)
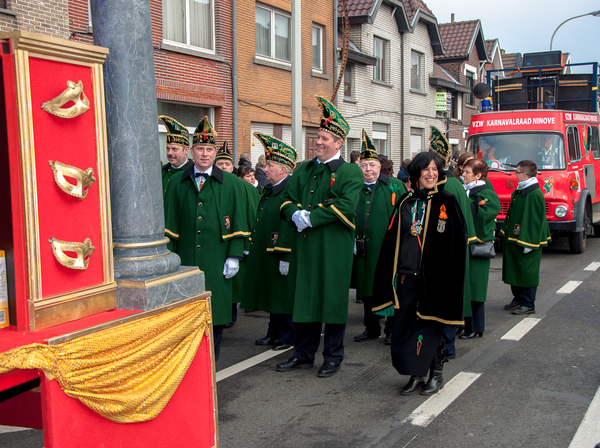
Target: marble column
(147, 273)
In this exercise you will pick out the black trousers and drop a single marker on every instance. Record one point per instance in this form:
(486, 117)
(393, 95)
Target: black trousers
(372, 320)
(476, 323)
(281, 327)
(308, 337)
(217, 336)
(524, 295)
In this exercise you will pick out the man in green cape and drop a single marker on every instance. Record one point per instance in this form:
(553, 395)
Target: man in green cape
(178, 142)
(525, 231)
(378, 197)
(267, 284)
(320, 201)
(206, 220)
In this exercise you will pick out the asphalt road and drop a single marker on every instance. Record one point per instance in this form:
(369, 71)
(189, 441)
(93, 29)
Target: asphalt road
(529, 389)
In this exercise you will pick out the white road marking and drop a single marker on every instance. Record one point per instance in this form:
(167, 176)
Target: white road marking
(588, 433)
(431, 408)
(240, 366)
(521, 329)
(4, 429)
(569, 287)
(592, 266)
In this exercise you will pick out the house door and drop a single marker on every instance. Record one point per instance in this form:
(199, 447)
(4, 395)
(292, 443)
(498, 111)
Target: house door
(311, 143)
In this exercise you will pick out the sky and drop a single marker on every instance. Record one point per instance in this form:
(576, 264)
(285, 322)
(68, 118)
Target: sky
(523, 26)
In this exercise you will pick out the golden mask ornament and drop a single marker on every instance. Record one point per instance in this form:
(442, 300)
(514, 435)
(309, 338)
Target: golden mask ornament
(84, 179)
(74, 93)
(83, 250)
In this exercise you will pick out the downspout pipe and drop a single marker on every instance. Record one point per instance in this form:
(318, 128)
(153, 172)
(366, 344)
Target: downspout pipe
(234, 85)
(402, 156)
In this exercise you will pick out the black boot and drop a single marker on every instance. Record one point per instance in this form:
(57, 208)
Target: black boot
(436, 381)
(414, 384)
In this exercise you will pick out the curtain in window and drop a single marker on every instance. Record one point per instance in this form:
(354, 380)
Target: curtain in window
(174, 20)
(282, 38)
(415, 71)
(263, 32)
(201, 24)
(316, 47)
(378, 53)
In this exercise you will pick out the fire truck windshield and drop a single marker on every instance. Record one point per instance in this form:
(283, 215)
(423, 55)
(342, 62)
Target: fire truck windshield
(505, 151)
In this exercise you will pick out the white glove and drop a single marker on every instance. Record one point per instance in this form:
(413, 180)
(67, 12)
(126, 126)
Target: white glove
(354, 246)
(232, 266)
(526, 250)
(246, 253)
(302, 219)
(284, 268)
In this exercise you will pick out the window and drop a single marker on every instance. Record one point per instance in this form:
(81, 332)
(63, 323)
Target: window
(317, 48)
(592, 144)
(416, 141)
(573, 143)
(189, 23)
(348, 84)
(273, 31)
(454, 106)
(469, 84)
(379, 49)
(416, 70)
(380, 137)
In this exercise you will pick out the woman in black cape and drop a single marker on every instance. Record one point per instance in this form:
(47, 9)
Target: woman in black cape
(421, 274)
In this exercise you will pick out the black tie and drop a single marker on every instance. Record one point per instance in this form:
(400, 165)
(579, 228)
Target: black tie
(204, 175)
(370, 186)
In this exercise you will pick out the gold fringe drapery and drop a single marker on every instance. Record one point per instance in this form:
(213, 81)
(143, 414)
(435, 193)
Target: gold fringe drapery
(127, 373)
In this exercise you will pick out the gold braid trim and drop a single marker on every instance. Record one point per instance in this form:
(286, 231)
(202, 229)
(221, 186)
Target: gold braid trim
(173, 234)
(516, 240)
(444, 321)
(126, 373)
(240, 233)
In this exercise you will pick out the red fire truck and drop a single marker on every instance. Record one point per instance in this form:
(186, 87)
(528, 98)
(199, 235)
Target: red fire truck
(545, 115)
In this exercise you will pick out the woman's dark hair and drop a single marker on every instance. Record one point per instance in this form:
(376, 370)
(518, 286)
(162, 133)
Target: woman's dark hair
(354, 156)
(422, 161)
(244, 170)
(460, 162)
(387, 167)
(478, 166)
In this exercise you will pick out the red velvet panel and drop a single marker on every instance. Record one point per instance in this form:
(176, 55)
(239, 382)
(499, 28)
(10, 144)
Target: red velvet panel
(73, 142)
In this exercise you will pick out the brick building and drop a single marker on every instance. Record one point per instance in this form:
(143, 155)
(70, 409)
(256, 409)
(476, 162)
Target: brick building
(264, 70)
(47, 18)
(465, 60)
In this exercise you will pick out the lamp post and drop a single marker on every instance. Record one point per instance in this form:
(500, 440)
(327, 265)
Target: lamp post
(593, 13)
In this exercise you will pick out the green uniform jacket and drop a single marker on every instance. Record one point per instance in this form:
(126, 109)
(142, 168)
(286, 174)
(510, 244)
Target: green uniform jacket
(168, 171)
(455, 186)
(264, 287)
(253, 199)
(488, 207)
(206, 227)
(323, 253)
(525, 226)
(377, 222)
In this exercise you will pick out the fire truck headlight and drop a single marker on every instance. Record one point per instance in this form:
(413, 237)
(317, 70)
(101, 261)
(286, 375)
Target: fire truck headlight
(560, 211)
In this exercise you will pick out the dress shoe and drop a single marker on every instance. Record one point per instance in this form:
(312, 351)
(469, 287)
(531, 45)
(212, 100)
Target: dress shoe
(278, 345)
(471, 335)
(414, 384)
(388, 339)
(293, 364)
(434, 384)
(513, 305)
(267, 340)
(524, 310)
(329, 368)
(229, 325)
(366, 335)
(359, 301)
(460, 330)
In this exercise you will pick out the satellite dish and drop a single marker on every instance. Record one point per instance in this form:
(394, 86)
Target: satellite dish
(481, 90)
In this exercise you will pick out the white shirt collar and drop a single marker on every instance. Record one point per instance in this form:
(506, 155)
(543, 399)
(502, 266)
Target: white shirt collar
(336, 156)
(528, 182)
(177, 167)
(208, 171)
(282, 179)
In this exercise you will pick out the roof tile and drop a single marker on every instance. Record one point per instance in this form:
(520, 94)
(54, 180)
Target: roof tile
(457, 38)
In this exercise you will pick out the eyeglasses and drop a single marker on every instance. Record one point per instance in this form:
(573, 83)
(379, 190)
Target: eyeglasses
(520, 172)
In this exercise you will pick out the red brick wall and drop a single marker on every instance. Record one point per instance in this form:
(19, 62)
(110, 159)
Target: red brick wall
(185, 78)
(265, 93)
